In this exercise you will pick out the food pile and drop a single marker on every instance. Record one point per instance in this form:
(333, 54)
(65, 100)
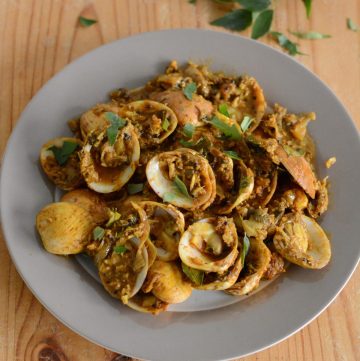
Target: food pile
(189, 182)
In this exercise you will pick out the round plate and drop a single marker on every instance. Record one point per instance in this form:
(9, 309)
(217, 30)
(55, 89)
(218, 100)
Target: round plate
(75, 298)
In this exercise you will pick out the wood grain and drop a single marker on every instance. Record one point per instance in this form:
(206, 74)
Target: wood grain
(39, 37)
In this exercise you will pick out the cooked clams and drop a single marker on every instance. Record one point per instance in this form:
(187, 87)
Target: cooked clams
(63, 170)
(64, 228)
(188, 182)
(183, 178)
(300, 240)
(116, 165)
(210, 245)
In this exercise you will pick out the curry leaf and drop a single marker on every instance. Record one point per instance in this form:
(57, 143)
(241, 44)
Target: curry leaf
(246, 122)
(254, 5)
(98, 233)
(196, 276)
(165, 123)
(310, 35)
(189, 90)
(85, 22)
(285, 43)
(239, 19)
(262, 24)
(232, 154)
(120, 249)
(223, 109)
(293, 152)
(245, 249)
(229, 130)
(188, 130)
(116, 123)
(63, 153)
(308, 4)
(180, 185)
(113, 217)
(351, 25)
(134, 188)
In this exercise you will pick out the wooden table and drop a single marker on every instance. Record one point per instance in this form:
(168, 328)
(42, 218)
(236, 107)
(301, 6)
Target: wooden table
(39, 37)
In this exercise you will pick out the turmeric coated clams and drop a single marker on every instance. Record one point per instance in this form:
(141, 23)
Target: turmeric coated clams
(186, 183)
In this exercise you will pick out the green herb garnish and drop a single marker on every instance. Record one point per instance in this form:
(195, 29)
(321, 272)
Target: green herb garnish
(63, 153)
(116, 123)
(165, 123)
(245, 123)
(232, 154)
(192, 1)
(85, 22)
(120, 249)
(244, 182)
(189, 90)
(188, 130)
(262, 24)
(196, 276)
(98, 233)
(239, 19)
(180, 185)
(308, 4)
(254, 5)
(351, 25)
(134, 188)
(310, 35)
(285, 43)
(229, 131)
(293, 152)
(245, 249)
(223, 109)
(114, 216)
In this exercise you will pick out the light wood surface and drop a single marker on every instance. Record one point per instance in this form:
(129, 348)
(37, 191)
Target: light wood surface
(39, 37)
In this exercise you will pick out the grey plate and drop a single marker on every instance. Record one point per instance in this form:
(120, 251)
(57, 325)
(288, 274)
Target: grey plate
(75, 298)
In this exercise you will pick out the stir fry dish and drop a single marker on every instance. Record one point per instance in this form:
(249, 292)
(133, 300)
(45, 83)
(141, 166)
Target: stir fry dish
(189, 182)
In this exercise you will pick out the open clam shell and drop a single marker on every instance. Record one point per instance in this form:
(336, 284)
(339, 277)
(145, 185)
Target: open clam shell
(199, 178)
(153, 121)
(107, 179)
(166, 227)
(256, 263)
(302, 241)
(210, 245)
(66, 176)
(244, 185)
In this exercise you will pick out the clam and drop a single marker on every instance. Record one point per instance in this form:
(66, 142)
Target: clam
(66, 174)
(147, 303)
(124, 270)
(221, 281)
(64, 228)
(210, 245)
(251, 101)
(256, 263)
(244, 185)
(116, 164)
(90, 201)
(183, 178)
(187, 111)
(95, 121)
(300, 240)
(153, 121)
(166, 227)
(166, 282)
